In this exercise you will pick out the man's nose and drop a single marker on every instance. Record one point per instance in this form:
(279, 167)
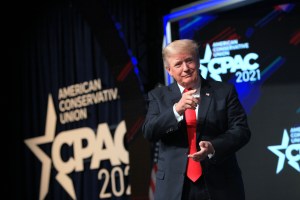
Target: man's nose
(185, 66)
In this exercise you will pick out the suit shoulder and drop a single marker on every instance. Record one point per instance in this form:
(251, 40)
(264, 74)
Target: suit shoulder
(159, 90)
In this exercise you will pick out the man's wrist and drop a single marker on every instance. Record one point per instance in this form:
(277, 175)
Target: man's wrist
(177, 115)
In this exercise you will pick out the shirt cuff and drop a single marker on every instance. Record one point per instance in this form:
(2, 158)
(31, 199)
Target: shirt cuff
(210, 155)
(178, 117)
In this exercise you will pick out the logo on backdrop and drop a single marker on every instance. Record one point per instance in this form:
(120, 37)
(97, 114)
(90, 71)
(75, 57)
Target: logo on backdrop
(221, 60)
(100, 146)
(289, 149)
(74, 99)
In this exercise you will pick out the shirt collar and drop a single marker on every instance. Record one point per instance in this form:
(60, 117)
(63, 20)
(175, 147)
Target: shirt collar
(198, 88)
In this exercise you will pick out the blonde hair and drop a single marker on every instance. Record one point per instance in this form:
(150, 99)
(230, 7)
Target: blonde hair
(180, 46)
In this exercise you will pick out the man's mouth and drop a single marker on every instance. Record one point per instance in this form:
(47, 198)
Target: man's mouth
(187, 76)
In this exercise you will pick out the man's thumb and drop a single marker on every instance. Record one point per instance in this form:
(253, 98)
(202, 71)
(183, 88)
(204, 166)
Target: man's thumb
(203, 144)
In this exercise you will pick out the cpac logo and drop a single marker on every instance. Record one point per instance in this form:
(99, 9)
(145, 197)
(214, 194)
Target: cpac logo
(114, 150)
(286, 151)
(220, 65)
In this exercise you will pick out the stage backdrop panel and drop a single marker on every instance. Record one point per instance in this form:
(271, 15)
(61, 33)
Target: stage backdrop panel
(82, 104)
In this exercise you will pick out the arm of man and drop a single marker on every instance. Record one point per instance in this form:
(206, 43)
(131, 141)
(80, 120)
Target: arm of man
(160, 119)
(237, 134)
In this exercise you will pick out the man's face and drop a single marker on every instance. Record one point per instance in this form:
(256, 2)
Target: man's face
(184, 68)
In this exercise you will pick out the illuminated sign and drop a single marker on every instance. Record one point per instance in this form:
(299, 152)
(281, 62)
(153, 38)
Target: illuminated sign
(98, 146)
(220, 60)
(190, 10)
(289, 149)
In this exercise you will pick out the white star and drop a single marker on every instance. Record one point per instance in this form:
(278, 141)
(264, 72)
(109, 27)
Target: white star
(207, 58)
(33, 145)
(276, 150)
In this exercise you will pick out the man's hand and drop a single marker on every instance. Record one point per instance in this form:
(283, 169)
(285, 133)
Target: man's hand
(205, 149)
(187, 101)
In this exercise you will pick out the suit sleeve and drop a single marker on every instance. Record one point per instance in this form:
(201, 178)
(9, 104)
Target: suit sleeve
(160, 119)
(237, 134)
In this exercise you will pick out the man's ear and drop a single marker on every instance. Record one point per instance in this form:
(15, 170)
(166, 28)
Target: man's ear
(169, 71)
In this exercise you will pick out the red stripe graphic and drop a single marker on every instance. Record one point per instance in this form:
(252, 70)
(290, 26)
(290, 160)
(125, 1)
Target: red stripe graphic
(138, 123)
(227, 34)
(295, 38)
(125, 71)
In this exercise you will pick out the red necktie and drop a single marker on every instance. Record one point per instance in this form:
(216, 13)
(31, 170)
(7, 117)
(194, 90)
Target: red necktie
(194, 169)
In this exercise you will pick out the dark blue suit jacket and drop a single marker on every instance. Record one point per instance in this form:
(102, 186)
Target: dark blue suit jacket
(221, 120)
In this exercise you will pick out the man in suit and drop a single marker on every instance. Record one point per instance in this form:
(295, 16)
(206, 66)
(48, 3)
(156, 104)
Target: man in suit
(221, 129)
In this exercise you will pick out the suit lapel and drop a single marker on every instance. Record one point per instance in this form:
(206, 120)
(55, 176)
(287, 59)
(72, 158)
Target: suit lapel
(206, 95)
(174, 94)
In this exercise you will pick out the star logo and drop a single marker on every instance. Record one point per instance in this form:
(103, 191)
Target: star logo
(48, 137)
(219, 60)
(286, 151)
(204, 62)
(100, 146)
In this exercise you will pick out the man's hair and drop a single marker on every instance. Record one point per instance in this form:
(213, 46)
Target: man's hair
(180, 46)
